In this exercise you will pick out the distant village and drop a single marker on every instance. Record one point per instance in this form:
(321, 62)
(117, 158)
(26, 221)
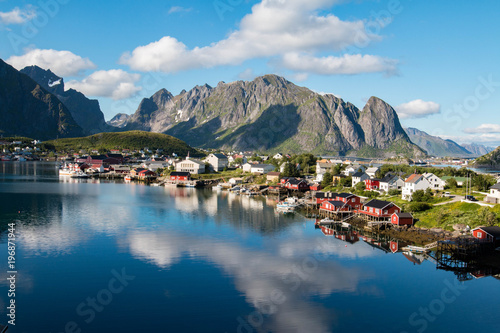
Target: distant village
(267, 174)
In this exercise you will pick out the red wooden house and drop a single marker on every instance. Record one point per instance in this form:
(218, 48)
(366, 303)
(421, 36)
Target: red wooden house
(335, 206)
(352, 200)
(372, 184)
(324, 196)
(297, 184)
(146, 174)
(402, 219)
(178, 175)
(380, 209)
(487, 234)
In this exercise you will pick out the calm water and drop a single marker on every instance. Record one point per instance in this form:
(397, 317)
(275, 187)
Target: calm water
(115, 257)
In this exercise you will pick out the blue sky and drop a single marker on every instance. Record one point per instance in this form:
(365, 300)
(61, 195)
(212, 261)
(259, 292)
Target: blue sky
(436, 62)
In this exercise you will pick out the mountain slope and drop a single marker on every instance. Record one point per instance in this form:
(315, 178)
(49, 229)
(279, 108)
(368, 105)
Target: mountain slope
(86, 112)
(27, 109)
(477, 149)
(436, 146)
(272, 114)
(492, 159)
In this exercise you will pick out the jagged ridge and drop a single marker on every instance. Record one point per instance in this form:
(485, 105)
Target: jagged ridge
(271, 114)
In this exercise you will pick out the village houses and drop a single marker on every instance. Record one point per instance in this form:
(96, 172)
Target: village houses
(414, 183)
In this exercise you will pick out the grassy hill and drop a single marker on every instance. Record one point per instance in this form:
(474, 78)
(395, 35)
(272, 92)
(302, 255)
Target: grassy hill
(491, 159)
(124, 140)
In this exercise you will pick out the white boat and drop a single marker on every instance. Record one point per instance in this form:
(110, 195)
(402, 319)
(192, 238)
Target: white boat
(65, 172)
(80, 174)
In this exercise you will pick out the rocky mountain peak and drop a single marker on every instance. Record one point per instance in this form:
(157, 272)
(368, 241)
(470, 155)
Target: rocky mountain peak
(46, 78)
(381, 124)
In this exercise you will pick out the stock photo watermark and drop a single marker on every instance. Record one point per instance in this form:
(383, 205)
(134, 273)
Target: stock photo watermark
(88, 309)
(45, 11)
(426, 315)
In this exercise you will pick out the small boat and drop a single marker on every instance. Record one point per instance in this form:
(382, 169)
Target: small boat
(5, 158)
(80, 174)
(127, 178)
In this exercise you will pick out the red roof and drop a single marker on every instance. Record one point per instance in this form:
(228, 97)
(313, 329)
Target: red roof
(413, 178)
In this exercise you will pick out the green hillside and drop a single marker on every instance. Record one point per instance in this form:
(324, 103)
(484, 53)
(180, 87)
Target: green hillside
(124, 140)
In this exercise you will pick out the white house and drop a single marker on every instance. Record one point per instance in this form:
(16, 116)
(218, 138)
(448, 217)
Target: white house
(372, 171)
(261, 168)
(217, 161)
(359, 177)
(278, 156)
(352, 169)
(190, 165)
(436, 182)
(414, 183)
(391, 182)
(494, 196)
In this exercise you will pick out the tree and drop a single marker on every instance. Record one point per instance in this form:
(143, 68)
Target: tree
(290, 170)
(238, 160)
(360, 187)
(418, 196)
(487, 217)
(451, 183)
(327, 180)
(337, 169)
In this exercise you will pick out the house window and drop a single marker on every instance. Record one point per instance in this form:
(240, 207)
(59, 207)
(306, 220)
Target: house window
(352, 200)
(479, 234)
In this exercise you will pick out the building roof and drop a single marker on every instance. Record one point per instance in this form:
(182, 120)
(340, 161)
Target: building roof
(274, 173)
(387, 178)
(221, 156)
(345, 195)
(261, 165)
(335, 203)
(404, 215)
(179, 173)
(193, 161)
(380, 204)
(295, 181)
(372, 169)
(493, 231)
(326, 195)
(359, 174)
(413, 178)
(496, 186)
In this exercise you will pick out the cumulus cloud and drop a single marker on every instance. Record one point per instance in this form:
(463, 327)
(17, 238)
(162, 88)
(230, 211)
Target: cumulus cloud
(114, 83)
(247, 74)
(17, 16)
(62, 63)
(274, 28)
(178, 9)
(346, 64)
(417, 109)
(484, 128)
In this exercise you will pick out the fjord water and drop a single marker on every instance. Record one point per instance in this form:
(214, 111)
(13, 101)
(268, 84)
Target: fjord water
(113, 257)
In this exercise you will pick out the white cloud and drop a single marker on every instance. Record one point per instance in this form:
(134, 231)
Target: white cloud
(62, 63)
(114, 83)
(484, 128)
(274, 28)
(417, 109)
(178, 9)
(489, 139)
(331, 65)
(17, 16)
(247, 74)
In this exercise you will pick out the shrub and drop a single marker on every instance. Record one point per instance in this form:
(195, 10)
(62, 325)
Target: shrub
(416, 207)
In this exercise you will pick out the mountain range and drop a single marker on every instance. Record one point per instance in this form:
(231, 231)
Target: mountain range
(272, 114)
(268, 114)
